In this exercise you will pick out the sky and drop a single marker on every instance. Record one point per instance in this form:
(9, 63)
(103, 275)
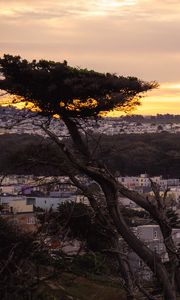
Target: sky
(127, 37)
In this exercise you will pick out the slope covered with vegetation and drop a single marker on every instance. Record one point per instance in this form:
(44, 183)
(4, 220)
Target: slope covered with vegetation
(125, 154)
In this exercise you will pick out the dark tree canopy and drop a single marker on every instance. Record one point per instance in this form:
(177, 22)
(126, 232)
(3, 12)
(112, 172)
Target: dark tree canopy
(56, 88)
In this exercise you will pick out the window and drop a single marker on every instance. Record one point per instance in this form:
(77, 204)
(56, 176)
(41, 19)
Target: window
(155, 235)
(30, 220)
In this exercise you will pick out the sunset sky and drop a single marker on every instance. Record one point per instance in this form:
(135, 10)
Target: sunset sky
(128, 37)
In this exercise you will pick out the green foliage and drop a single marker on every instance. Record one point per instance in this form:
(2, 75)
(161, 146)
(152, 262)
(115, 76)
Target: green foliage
(79, 221)
(57, 88)
(77, 217)
(12, 237)
(147, 153)
(94, 263)
(128, 154)
(20, 155)
(16, 255)
(83, 224)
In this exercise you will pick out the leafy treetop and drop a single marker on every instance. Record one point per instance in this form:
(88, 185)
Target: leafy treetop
(56, 88)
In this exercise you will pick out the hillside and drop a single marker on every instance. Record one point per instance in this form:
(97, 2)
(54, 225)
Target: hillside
(126, 154)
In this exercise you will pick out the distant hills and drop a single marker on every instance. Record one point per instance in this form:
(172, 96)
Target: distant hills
(125, 154)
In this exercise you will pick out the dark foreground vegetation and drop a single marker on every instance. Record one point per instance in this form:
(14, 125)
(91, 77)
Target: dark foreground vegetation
(29, 270)
(124, 154)
(78, 94)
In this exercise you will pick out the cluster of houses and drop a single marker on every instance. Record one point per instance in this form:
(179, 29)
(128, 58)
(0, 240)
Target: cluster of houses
(25, 194)
(60, 186)
(22, 197)
(118, 126)
(143, 181)
(152, 237)
(107, 126)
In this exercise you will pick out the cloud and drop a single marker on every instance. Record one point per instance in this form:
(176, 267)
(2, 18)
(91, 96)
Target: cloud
(138, 38)
(128, 37)
(55, 8)
(140, 9)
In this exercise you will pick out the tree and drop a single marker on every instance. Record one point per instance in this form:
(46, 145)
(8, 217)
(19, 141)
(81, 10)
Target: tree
(77, 95)
(59, 89)
(16, 261)
(76, 221)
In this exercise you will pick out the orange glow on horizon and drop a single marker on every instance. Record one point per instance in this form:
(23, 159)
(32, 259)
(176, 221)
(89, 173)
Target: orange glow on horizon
(163, 100)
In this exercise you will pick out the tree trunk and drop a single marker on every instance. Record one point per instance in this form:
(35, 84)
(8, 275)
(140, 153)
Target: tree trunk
(141, 250)
(110, 189)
